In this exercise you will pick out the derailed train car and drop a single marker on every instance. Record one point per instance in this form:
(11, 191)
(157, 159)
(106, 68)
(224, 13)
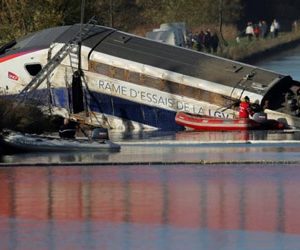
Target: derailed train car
(130, 82)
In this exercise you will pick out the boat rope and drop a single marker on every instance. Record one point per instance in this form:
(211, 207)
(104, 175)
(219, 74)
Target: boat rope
(242, 80)
(84, 132)
(101, 40)
(236, 102)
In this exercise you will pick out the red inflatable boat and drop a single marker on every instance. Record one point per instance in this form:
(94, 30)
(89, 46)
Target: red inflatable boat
(207, 123)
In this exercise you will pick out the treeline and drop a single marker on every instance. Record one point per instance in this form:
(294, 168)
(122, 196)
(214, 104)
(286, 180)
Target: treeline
(286, 10)
(20, 17)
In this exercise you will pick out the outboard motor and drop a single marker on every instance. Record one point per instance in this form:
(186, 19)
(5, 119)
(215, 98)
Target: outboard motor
(100, 134)
(260, 117)
(293, 105)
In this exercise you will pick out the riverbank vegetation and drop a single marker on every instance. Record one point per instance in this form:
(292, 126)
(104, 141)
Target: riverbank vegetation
(246, 51)
(20, 17)
(26, 118)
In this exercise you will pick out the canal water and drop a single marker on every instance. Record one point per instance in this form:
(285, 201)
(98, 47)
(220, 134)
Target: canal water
(286, 62)
(185, 190)
(184, 207)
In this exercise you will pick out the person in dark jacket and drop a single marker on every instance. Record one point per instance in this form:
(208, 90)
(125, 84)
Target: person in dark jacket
(214, 41)
(207, 41)
(68, 129)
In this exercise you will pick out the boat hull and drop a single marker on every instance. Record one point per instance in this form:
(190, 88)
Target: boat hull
(14, 142)
(204, 123)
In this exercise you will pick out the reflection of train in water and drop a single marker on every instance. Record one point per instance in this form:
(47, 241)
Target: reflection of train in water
(219, 199)
(130, 82)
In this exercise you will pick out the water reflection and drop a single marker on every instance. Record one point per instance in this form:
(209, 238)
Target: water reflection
(135, 207)
(57, 157)
(255, 135)
(224, 136)
(188, 146)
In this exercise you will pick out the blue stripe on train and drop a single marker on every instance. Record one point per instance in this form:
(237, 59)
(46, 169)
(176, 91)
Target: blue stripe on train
(129, 110)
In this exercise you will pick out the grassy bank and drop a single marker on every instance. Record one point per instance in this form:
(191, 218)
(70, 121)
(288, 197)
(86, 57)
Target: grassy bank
(247, 51)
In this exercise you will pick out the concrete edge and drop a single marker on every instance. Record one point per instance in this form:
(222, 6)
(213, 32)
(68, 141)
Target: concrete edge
(152, 163)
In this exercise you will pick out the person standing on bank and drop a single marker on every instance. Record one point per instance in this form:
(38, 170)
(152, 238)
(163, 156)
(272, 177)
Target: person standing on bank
(276, 27)
(207, 41)
(245, 108)
(249, 31)
(214, 42)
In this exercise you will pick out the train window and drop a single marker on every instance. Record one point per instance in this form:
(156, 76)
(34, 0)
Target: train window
(119, 73)
(33, 69)
(152, 82)
(134, 77)
(99, 68)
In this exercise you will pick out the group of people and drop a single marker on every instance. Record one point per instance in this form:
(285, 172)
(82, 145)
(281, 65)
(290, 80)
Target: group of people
(206, 41)
(261, 30)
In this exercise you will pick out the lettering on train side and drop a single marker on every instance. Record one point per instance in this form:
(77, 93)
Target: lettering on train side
(217, 113)
(117, 89)
(156, 99)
